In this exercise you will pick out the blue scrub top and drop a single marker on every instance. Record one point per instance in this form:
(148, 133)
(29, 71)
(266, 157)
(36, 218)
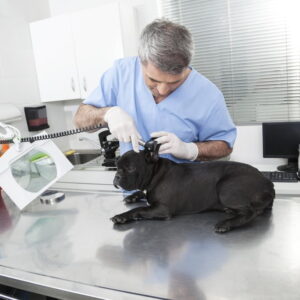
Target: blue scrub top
(195, 111)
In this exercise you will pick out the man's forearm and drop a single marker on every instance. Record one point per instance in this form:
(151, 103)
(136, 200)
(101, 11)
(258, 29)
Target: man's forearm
(88, 115)
(212, 150)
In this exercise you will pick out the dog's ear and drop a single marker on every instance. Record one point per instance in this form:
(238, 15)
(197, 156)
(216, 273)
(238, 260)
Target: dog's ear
(151, 153)
(155, 155)
(150, 157)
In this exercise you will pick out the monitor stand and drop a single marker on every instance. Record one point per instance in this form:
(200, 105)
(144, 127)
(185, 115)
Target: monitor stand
(290, 167)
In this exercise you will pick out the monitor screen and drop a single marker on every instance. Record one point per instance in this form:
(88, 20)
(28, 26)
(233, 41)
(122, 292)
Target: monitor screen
(281, 139)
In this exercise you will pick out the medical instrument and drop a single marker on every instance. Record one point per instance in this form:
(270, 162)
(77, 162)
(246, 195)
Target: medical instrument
(51, 197)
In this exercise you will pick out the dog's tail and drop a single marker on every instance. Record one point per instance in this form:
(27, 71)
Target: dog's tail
(272, 195)
(264, 199)
(268, 196)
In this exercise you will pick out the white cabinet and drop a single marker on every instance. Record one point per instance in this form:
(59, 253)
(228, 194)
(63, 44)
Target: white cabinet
(72, 51)
(98, 42)
(53, 49)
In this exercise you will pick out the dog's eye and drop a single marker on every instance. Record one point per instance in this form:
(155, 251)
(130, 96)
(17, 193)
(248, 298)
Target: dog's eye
(131, 169)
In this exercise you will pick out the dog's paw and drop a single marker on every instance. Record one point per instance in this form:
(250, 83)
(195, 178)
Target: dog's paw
(131, 199)
(135, 197)
(119, 219)
(222, 227)
(229, 211)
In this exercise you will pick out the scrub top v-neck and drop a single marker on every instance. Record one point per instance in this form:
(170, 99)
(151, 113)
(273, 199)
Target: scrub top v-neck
(195, 111)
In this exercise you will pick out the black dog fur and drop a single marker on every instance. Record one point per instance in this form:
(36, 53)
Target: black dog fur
(172, 189)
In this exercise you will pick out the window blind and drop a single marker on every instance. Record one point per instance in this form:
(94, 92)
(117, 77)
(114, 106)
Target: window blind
(250, 49)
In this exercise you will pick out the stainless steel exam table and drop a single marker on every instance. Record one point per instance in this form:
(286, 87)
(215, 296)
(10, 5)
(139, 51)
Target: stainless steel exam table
(71, 250)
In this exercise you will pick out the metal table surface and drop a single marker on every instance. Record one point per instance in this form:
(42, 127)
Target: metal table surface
(72, 250)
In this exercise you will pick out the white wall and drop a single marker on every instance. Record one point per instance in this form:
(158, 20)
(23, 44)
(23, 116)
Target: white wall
(248, 147)
(146, 10)
(18, 80)
(17, 72)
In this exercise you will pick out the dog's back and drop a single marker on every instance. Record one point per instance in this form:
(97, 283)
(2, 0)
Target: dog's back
(196, 187)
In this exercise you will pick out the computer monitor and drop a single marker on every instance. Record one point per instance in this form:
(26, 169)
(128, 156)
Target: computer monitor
(282, 140)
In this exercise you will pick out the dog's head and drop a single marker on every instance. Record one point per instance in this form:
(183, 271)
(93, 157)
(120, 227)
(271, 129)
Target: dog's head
(134, 170)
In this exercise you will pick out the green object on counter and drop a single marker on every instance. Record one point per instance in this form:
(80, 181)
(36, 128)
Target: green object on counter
(38, 156)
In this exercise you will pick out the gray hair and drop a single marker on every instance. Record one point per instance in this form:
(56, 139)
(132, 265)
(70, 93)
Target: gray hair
(167, 45)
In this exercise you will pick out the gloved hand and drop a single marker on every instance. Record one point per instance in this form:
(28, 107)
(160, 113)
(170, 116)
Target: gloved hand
(171, 144)
(122, 127)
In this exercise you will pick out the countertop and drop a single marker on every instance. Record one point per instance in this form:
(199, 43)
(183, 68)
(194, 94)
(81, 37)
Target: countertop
(71, 250)
(97, 178)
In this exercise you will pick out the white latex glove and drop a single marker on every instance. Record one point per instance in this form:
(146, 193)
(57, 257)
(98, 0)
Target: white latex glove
(122, 127)
(171, 144)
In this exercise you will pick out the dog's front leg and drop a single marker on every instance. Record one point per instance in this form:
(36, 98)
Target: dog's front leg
(135, 197)
(160, 212)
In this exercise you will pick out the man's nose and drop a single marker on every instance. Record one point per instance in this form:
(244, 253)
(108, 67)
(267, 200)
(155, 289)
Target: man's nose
(163, 89)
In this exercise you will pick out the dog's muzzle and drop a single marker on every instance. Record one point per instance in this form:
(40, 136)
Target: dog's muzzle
(116, 182)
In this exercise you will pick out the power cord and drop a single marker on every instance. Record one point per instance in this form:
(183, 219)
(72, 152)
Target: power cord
(12, 134)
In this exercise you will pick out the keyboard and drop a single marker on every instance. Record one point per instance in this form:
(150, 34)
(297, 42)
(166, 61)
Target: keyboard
(276, 176)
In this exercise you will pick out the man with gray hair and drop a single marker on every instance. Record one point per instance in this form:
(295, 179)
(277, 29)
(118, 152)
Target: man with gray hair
(158, 94)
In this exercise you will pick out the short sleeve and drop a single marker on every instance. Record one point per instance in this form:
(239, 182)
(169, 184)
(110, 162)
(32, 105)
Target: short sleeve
(106, 92)
(219, 125)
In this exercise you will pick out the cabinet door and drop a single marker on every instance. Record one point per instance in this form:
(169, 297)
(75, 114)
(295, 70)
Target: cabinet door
(98, 42)
(55, 59)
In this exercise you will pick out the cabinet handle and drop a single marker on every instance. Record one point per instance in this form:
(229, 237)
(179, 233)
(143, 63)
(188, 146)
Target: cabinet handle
(72, 84)
(84, 84)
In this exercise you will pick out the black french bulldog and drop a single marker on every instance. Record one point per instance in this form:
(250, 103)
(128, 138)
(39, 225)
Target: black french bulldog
(173, 189)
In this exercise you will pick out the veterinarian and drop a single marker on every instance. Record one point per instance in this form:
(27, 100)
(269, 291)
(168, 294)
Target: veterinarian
(158, 94)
